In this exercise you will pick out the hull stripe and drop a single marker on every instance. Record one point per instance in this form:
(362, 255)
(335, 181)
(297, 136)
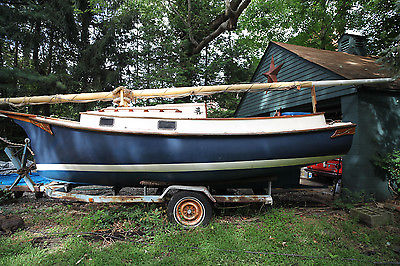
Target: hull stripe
(185, 167)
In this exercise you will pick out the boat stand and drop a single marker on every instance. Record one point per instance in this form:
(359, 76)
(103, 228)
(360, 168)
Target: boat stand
(23, 173)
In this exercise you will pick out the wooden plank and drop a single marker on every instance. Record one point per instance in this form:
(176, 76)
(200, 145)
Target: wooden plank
(314, 99)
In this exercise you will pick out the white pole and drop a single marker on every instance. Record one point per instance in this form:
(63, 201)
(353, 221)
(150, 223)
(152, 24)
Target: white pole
(328, 83)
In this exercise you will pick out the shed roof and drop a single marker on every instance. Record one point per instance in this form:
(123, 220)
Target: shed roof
(304, 63)
(346, 65)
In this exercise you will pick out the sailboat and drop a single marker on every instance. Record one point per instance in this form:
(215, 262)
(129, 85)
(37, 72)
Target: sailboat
(176, 143)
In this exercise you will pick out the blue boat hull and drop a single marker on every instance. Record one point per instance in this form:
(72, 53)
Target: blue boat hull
(117, 159)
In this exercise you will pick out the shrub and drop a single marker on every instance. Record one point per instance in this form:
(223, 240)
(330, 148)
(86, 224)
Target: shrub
(390, 164)
(5, 196)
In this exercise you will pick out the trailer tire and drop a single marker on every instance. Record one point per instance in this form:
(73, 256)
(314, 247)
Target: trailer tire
(189, 209)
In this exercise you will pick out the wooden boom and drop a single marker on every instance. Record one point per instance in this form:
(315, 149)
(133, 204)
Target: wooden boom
(185, 91)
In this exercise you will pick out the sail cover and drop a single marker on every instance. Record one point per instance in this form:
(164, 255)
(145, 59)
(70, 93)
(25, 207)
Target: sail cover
(183, 91)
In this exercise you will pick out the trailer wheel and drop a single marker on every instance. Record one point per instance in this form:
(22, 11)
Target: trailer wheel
(189, 209)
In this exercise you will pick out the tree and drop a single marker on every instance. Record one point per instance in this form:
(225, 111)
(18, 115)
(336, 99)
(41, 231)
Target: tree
(310, 23)
(196, 24)
(380, 21)
(31, 56)
(320, 23)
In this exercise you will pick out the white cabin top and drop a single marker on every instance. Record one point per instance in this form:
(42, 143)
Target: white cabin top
(184, 110)
(191, 119)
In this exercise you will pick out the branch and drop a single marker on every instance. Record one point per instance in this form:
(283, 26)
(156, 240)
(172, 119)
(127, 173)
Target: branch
(223, 27)
(189, 24)
(224, 16)
(226, 21)
(242, 7)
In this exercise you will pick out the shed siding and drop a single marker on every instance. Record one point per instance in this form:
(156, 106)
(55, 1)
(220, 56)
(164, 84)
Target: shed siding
(295, 68)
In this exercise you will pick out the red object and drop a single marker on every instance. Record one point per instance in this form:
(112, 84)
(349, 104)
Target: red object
(332, 168)
(273, 71)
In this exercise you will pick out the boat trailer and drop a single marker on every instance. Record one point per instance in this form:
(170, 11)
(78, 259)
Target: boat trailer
(59, 191)
(189, 206)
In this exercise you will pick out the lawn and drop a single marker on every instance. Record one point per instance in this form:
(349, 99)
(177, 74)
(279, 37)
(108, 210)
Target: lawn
(59, 232)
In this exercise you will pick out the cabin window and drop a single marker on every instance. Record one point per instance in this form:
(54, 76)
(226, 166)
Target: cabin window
(106, 122)
(168, 125)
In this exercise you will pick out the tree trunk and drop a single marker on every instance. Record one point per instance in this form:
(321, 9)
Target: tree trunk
(86, 20)
(1, 53)
(206, 68)
(16, 54)
(50, 55)
(36, 36)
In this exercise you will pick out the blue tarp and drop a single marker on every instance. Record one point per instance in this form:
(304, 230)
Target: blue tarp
(295, 113)
(8, 179)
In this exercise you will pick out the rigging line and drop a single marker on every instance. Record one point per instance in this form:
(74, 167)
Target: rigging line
(12, 144)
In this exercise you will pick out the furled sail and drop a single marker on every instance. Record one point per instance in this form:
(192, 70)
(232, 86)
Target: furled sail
(183, 91)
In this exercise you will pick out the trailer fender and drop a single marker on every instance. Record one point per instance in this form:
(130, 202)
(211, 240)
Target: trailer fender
(200, 189)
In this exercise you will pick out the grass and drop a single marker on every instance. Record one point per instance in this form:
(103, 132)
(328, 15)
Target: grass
(70, 233)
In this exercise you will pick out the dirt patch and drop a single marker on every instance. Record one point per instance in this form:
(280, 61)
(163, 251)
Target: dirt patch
(47, 242)
(10, 223)
(302, 198)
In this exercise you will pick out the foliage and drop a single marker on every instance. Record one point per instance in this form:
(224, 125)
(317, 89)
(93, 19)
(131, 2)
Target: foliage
(5, 195)
(310, 23)
(223, 105)
(390, 164)
(105, 218)
(348, 198)
(379, 20)
(93, 45)
(390, 54)
(220, 113)
(391, 57)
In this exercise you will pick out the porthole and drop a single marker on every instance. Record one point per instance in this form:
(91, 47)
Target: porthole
(167, 125)
(106, 122)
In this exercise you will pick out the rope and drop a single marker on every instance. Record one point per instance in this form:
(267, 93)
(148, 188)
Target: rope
(12, 144)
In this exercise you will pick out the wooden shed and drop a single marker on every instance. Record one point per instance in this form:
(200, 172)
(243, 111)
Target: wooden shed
(375, 110)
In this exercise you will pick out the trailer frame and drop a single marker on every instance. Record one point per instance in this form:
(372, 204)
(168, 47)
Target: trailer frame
(59, 191)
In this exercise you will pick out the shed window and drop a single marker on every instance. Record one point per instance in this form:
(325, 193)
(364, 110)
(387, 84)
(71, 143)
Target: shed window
(106, 122)
(167, 125)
